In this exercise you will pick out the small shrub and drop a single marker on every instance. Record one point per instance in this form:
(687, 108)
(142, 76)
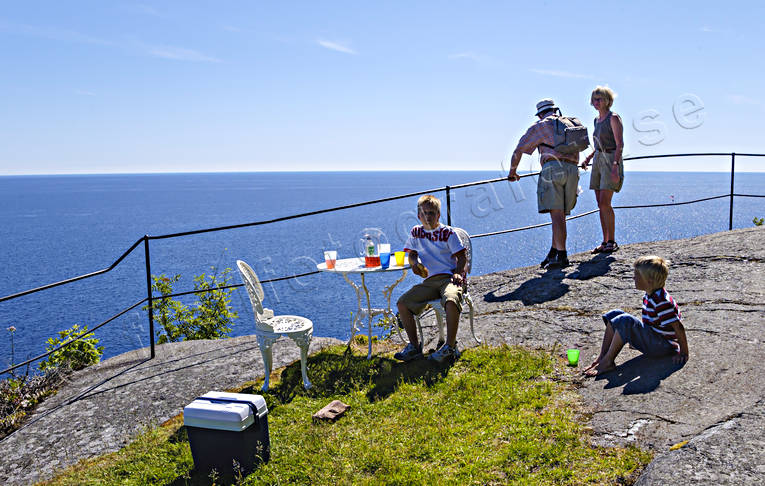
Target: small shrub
(211, 317)
(78, 355)
(19, 395)
(758, 221)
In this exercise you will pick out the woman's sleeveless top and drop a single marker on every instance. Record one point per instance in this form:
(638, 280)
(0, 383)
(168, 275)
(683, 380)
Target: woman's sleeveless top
(603, 136)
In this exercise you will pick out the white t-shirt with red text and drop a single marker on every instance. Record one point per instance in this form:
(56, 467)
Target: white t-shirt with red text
(436, 248)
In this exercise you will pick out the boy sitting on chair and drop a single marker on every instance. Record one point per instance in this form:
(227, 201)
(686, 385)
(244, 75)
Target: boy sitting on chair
(659, 333)
(437, 255)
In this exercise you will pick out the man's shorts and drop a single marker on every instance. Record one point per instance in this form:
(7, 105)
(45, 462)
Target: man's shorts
(601, 177)
(557, 186)
(641, 337)
(432, 288)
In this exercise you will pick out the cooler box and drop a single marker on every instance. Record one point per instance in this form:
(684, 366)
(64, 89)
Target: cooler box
(225, 427)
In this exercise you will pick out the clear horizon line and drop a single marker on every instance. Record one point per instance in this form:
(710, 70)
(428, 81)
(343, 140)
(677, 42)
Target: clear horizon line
(29, 174)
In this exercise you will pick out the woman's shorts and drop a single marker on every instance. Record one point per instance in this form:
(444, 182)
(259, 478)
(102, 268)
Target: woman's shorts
(557, 186)
(432, 288)
(602, 177)
(641, 337)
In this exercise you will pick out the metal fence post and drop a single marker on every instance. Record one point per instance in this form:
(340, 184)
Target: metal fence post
(448, 206)
(148, 291)
(732, 174)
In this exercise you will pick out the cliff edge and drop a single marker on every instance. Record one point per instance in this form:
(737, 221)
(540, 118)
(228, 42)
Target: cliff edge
(715, 401)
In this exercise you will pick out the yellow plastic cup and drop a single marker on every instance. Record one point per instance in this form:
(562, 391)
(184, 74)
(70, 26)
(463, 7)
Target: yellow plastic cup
(400, 258)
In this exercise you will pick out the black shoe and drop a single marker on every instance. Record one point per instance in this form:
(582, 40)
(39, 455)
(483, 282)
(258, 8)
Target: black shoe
(558, 261)
(549, 257)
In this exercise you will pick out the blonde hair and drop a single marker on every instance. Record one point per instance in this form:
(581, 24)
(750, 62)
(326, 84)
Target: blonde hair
(606, 93)
(429, 200)
(654, 269)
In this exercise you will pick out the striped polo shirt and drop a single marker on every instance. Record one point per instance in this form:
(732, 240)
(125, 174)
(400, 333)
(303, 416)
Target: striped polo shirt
(659, 312)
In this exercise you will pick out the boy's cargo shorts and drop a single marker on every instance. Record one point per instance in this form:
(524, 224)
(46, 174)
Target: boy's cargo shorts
(557, 186)
(432, 288)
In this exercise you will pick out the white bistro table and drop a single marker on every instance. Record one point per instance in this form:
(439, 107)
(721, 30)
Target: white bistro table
(356, 265)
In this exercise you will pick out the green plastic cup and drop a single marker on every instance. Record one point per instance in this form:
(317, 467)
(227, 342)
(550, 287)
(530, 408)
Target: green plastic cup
(573, 357)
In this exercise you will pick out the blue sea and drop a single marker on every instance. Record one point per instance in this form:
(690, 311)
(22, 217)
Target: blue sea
(57, 227)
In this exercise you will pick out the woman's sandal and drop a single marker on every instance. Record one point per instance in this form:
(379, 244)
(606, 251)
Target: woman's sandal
(599, 249)
(611, 247)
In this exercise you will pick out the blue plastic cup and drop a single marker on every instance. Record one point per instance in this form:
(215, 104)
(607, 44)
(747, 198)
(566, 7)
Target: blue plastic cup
(384, 260)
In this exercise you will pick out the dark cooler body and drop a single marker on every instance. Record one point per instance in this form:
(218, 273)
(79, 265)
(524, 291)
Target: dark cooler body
(224, 428)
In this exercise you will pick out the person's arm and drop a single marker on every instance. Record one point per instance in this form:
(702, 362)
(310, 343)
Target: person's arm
(514, 161)
(459, 271)
(681, 357)
(417, 267)
(526, 145)
(587, 160)
(618, 129)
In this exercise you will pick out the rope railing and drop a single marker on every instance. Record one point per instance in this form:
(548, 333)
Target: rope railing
(145, 239)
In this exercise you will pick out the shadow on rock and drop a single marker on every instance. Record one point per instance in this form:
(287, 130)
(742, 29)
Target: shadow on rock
(598, 266)
(549, 286)
(640, 374)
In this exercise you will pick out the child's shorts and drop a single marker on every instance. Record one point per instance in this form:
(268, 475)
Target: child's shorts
(432, 288)
(641, 337)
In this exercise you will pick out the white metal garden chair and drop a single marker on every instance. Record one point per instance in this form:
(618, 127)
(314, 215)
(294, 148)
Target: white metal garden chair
(268, 328)
(436, 306)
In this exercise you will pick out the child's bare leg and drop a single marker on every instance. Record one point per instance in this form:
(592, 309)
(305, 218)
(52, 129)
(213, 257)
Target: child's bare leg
(607, 338)
(606, 363)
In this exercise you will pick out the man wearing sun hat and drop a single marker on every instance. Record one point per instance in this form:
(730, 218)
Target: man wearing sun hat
(558, 180)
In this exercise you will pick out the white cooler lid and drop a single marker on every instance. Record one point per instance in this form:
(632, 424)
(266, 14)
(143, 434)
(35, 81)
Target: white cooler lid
(224, 415)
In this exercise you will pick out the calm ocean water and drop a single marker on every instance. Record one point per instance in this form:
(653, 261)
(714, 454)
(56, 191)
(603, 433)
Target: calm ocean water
(58, 227)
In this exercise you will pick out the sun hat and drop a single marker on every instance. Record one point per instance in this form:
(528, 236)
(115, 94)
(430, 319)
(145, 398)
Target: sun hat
(546, 104)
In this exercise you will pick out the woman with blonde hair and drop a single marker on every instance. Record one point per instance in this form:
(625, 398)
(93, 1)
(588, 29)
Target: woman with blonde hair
(608, 168)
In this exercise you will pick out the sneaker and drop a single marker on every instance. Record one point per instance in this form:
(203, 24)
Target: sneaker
(409, 353)
(445, 352)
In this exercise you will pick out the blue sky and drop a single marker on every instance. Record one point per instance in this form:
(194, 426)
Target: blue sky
(105, 87)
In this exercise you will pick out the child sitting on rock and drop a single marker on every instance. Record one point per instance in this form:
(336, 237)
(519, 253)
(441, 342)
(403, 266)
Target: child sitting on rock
(660, 333)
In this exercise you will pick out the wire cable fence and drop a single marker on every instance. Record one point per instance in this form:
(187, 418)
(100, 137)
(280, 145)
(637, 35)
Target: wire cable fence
(150, 298)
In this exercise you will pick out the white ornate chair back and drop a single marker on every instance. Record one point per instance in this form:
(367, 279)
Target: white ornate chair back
(465, 239)
(255, 291)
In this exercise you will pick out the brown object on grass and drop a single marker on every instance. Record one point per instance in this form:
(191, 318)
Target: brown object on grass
(331, 412)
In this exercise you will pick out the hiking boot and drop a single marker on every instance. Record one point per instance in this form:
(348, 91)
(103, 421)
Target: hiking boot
(409, 353)
(549, 257)
(558, 261)
(445, 352)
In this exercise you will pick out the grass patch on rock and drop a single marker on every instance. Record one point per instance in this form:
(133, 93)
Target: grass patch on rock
(495, 416)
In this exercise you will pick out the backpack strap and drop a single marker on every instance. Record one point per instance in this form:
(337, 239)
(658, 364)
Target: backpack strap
(556, 128)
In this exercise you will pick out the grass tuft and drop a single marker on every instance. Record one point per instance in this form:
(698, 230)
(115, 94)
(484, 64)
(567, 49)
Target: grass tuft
(488, 418)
